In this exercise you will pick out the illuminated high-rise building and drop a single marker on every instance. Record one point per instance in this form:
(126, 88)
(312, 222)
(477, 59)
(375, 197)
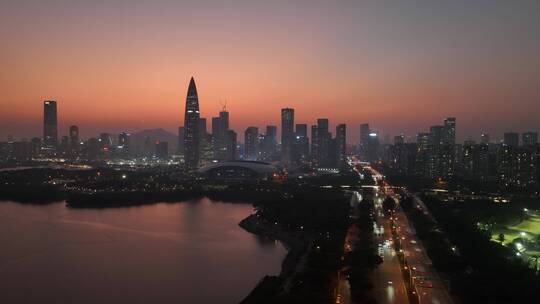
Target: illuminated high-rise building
(287, 134)
(321, 152)
(423, 154)
(301, 143)
(268, 144)
(105, 140)
(314, 144)
(123, 144)
(251, 142)
(191, 127)
(372, 146)
(206, 152)
(230, 145)
(50, 124)
(448, 148)
(220, 127)
(341, 144)
(449, 137)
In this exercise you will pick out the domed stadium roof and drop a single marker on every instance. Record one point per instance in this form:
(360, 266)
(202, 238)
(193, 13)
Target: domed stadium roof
(256, 166)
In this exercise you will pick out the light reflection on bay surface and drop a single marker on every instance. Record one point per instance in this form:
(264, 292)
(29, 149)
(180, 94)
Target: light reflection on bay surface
(186, 252)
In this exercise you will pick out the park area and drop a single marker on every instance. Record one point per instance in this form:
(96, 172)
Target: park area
(524, 236)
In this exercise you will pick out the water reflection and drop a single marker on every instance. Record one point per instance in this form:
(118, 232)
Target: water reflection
(191, 252)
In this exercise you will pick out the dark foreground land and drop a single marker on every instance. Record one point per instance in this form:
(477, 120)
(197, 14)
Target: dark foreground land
(312, 225)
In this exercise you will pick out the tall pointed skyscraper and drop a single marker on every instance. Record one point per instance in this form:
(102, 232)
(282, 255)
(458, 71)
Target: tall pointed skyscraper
(191, 127)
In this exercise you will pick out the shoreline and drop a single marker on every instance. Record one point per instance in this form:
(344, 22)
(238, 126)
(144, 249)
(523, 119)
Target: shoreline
(104, 199)
(296, 247)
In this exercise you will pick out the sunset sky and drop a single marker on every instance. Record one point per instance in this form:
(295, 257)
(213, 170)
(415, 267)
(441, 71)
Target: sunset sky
(399, 65)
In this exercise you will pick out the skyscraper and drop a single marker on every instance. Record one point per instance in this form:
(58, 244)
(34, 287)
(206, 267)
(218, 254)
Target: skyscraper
(341, 144)
(447, 152)
(206, 152)
(372, 146)
(105, 145)
(191, 127)
(287, 134)
(436, 137)
(215, 137)
(50, 124)
(230, 145)
(269, 144)
(364, 139)
(301, 143)
(449, 137)
(529, 138)
(251, 141)
(423, 155)
(74, 144)
(74, 136)
(323, 142)
(511, 139)
(271, 133)
(220, 127)
(123, 144)
(314, 144)
(224, 121)
(202, 126)
(105, 141)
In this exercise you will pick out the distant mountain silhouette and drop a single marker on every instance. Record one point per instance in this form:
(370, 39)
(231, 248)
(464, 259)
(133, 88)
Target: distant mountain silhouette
(143, 142)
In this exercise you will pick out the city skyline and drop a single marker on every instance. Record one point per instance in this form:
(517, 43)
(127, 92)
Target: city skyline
(124, 68)
(482, 137)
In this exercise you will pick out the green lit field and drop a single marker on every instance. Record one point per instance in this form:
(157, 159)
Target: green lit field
(530, 226)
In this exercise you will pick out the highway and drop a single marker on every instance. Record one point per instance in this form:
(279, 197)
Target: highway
(388, 282)
(425, 282)
(428, 285)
